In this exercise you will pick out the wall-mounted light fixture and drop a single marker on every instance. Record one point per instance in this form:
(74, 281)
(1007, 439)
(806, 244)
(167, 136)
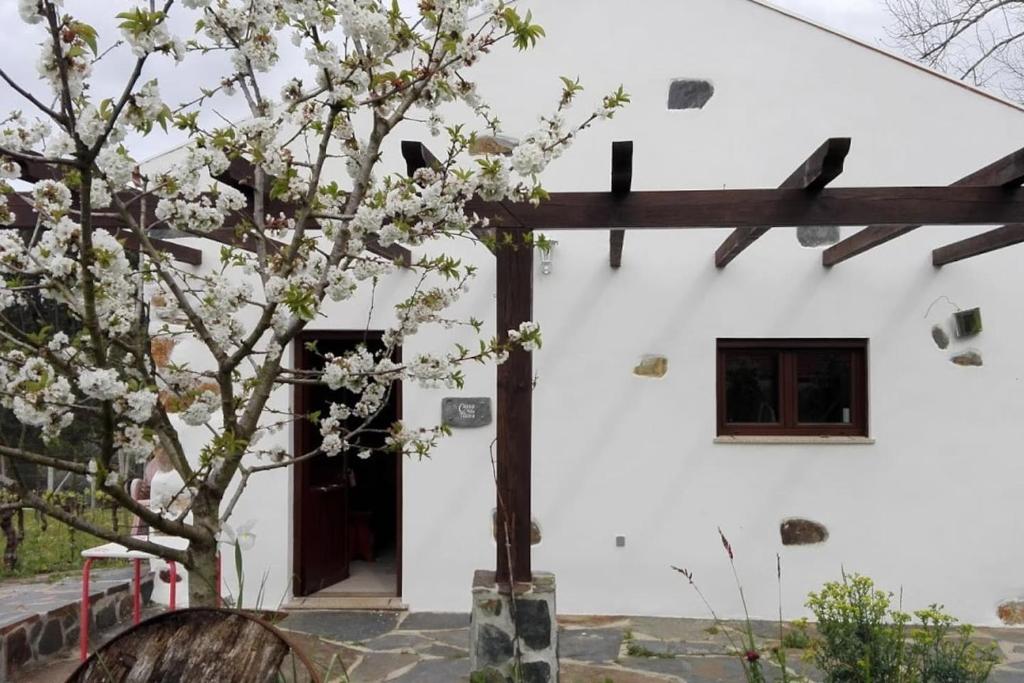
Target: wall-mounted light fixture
(546, 257)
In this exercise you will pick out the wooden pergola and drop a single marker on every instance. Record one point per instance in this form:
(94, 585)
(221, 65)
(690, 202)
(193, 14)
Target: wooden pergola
(989, 196)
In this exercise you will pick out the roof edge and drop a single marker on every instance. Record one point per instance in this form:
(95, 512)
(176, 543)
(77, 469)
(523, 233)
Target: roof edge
(766, 4)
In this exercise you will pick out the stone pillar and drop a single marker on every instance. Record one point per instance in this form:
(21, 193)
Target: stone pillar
(492, 635)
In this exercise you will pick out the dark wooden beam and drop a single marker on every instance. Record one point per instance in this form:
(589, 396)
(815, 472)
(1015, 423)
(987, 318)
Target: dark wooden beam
(25, 219)
(417, 156)
(514, 410)
(821, 168)
(1006, 236)
(753, 208)
(241, 175)
(622, 184)
(1006, 172)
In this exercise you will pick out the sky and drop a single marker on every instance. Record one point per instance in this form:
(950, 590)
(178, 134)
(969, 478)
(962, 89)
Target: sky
(863, 19)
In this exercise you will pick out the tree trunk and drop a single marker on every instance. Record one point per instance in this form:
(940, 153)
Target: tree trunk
(203, 575)
(11, 534)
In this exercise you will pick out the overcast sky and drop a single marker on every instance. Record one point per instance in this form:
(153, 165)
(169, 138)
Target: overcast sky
(864, 19)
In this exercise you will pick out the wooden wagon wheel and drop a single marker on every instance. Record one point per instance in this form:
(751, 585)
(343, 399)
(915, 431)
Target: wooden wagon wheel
(197, 644)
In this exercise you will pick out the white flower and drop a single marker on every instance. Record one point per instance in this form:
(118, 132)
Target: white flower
(102, 384)
(30, 11)
(243, 534)
(140, 405)
(201, 410)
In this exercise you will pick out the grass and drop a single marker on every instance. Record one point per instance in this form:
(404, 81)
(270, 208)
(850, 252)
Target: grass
(56, 550)
(635, 649)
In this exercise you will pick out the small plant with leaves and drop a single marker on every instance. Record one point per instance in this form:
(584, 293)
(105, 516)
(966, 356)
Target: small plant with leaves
(747, 648)
(943, 652)
(861, 638)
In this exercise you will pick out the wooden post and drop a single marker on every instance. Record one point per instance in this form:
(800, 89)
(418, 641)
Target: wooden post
(515, 409)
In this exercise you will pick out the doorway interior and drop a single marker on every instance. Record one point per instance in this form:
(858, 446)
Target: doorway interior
(347, 512)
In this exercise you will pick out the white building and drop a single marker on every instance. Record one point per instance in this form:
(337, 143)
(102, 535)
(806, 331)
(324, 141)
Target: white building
(927, 500)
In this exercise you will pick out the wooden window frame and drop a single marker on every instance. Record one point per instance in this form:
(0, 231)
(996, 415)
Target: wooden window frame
(786, 351)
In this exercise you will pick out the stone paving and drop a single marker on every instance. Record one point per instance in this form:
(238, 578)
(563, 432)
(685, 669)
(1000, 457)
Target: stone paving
(424, 647)
(40, 620)
(20, 599)
(433, 648)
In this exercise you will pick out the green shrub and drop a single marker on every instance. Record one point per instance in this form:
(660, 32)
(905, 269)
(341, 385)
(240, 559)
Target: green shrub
(796, 636)
(861, 639)
(858, 644)
(943, 652)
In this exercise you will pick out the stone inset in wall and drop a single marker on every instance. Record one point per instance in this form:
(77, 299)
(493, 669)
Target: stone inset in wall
(652, 366)
(466, 413)
(689, 93)
(492, 144)
(817, 235)
(492, 634)
(802, 532)
(968, 359)
(940, 336)
(535, 535)
(161, 349)
(1011, 612)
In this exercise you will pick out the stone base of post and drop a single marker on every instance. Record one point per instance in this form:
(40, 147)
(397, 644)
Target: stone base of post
(501, 621)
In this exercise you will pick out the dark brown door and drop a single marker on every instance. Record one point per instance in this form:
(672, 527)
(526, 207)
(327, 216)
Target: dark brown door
(325, 499)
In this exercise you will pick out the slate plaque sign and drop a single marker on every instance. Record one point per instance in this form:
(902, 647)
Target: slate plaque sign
(466, 413)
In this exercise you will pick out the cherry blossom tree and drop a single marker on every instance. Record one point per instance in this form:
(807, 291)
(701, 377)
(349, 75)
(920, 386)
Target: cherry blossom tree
(368, 66)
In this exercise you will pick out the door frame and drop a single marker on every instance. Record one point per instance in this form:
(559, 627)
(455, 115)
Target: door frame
(300, 444)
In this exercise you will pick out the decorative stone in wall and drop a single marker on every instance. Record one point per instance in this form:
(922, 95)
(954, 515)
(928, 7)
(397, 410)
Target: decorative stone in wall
(167, 310)
(492, 634)
(940, 337)
(161, 349)
(817, 235)
(651, 366)
(1011, 612)
(535, 535)
(802, 532)
(968, 358)
(687, 93)
(173, 403)
(492, 144)
(466, 413)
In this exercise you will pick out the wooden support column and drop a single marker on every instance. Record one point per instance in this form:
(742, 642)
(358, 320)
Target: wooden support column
(813, 175)
(622, 183)
(514, 409)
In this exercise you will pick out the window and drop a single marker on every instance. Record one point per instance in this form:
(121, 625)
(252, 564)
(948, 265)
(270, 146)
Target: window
(792, 387)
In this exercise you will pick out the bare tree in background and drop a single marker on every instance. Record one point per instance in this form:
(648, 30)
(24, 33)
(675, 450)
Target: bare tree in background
(978, 41)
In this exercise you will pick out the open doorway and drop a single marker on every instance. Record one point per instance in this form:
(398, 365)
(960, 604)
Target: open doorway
(347, 512)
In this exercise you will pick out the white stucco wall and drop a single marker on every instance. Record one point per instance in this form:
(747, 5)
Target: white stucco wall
(931, 506)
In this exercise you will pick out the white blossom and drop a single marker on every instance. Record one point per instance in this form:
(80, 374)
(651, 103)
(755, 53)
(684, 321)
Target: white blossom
(102, 384)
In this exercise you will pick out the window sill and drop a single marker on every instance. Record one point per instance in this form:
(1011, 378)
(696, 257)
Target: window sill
(798, 440)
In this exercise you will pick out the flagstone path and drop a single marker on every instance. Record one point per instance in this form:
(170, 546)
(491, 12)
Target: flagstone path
(432, 648)
(421, 647)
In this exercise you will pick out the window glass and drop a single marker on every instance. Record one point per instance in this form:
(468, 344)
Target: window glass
(823, 385)
(751, 388)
